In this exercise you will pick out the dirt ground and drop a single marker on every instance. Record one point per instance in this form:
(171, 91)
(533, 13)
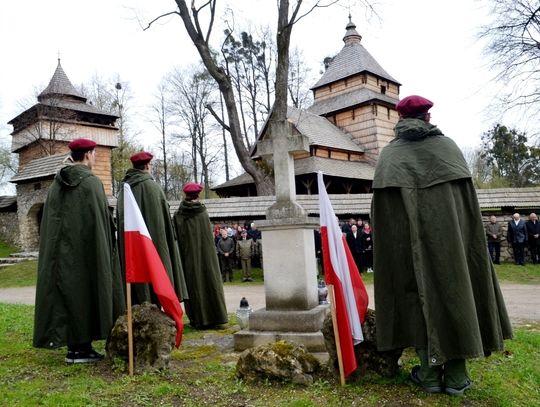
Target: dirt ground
(522, 300)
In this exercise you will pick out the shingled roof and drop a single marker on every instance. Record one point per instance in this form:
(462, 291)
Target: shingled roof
(353, 59)
(347, 204)
(321, 131)
(60, 93)
(60, 85)
(310, 165)
(40, 168)
(360, 204)
(509, 197)
(8, 203)
(346, 100)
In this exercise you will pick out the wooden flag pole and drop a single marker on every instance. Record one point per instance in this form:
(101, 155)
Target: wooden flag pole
(130, 329)
(336, 333)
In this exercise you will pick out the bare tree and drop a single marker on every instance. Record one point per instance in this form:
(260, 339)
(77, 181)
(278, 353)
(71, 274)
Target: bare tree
(162, 118)
(513, 45)
(179, 169)
(249, 61)
(192, 91)
(299, 76)
(200, 38)
(8, 166)
(114, 96)
(191, 16)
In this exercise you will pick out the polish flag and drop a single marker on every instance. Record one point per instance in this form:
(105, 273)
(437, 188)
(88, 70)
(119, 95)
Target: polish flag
(351, 298)
(143, 264)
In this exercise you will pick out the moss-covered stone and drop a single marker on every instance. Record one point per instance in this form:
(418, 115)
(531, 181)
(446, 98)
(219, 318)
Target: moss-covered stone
(154, 336)
(368, 358)
(280, 361)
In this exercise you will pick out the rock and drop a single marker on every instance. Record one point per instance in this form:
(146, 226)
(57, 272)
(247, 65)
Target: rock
(368, 358)
(154, 336)
(280, 361)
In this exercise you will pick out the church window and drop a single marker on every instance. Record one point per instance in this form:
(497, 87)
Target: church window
(383, 89)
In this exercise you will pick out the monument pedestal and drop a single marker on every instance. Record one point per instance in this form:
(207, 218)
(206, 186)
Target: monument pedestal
(301, 327)
(292, 310)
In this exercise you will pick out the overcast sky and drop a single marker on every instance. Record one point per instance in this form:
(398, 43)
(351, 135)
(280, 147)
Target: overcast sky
(428, 46)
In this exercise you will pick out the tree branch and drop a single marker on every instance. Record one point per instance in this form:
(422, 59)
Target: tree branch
(218, 119)
(159, 17)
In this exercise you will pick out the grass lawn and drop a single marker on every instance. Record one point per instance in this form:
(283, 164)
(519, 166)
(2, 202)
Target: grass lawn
(6, 250)
(202, 375)
(24, 275)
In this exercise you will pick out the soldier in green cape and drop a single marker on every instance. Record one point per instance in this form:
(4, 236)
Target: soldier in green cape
(206, 305)
(156, 213)
(79, 291)
(435, 285)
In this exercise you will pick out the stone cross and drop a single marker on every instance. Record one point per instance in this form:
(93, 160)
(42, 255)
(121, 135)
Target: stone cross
(290, 272)
(281, 146)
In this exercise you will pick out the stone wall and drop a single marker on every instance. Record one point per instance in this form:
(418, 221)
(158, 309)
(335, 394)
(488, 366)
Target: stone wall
(30, 200)
(9, 228)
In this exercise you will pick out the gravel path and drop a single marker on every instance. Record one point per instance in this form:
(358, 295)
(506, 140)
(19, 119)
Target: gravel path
(522, 300)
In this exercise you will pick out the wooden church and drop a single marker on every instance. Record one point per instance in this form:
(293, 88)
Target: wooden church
(352, 118)
(40, 137)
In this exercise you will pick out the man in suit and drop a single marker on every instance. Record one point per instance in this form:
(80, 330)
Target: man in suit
(517, 236)
(533, 237)
(354, 241)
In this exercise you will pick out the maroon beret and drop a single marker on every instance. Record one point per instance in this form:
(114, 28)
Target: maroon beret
(192, 188)
(142, 157)
(82, 144)
(413, 105)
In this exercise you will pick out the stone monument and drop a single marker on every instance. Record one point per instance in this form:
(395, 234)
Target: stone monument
(292, 310)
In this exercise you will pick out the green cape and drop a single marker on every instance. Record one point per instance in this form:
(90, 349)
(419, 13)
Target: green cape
(435, 285)
(155, 211)
(206, 304)
(79, 292)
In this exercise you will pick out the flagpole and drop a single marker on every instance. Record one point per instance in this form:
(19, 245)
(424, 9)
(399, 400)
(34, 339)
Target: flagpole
(336, 333)
(130, 329)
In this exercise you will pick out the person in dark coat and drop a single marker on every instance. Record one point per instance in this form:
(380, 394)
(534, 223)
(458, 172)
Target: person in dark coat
(256, 235)
(494, 237)
(367, 247)
(354, 241)
(318, 250)
(156, 214)
(435, 285)
(346, 227)
(244, 252)
(205, 307)
(533, 237)
(79, 291)
(517, 237)
(226, 248)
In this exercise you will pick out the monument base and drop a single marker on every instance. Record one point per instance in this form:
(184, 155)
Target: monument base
(300, 327)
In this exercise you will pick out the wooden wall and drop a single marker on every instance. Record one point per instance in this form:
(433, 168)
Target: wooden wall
(102, 167)
(359, 81)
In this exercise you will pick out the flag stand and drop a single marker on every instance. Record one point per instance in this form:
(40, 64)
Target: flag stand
(130, 329)
(336, 334)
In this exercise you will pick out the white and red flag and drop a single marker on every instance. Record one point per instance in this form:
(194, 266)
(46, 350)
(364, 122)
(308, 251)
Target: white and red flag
(143, 264)
(351, 298)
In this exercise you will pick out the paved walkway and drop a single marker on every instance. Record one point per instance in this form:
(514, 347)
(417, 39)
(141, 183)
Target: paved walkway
(522, 300)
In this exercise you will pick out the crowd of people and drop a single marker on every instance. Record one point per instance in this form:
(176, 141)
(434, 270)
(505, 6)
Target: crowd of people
(520, 235)
(238, 246)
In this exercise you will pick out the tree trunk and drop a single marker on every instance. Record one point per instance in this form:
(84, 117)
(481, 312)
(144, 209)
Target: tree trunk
(263, 181)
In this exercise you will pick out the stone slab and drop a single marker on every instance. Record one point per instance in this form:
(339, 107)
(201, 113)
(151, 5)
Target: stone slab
(313, 341)
(289, 321)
